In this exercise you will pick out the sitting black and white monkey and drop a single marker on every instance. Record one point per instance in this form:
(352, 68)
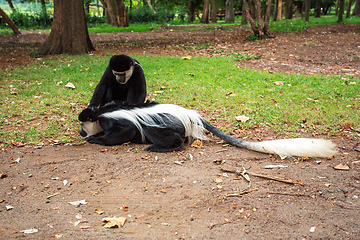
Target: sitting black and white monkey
(165, 126)
(123, 81)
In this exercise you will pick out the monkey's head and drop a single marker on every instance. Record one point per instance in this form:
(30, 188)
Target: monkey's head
(89, 122)
(122, 67)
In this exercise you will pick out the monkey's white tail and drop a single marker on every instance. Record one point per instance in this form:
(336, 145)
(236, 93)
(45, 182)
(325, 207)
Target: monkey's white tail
(300, 147)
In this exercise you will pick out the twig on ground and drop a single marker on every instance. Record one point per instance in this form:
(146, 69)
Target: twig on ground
(238, 194)
(292, 194)
(264, 176)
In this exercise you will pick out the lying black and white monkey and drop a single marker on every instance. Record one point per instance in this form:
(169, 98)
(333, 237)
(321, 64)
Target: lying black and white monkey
(165, 126)
(123, 81)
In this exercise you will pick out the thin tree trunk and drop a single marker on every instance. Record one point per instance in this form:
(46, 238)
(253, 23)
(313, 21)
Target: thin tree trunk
(289, 9)
(43, 6)
(348, 9)
(307, 10)
(213, 11)
(205, 12)
(279, 10)
(356, 10)
(267, 18)
(229, 11)
(257, 4)
(11, 5)
(254, 28)
(9, 22)
(341, 10)
(337, 8)
(244, 19)
(318, 8)
(150, 6)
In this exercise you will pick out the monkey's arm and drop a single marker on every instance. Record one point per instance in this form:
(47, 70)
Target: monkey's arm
(137, 92)
(101, 89)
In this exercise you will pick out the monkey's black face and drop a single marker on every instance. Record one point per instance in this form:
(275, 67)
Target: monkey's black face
(122, 67)
(123, 77)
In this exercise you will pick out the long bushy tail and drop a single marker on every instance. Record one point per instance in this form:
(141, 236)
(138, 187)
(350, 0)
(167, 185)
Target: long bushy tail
(300, 147)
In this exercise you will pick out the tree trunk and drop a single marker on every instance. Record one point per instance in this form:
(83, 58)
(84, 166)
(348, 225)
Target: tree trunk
(205, 12)
(289, 9)
(69, 32)
(244, 19)
(229, 11)
(317, 8)
(213, 11)
(356, 10)
(341, 10)
(279, 10)
(258, 29)
(337, 7)
(115, 13)
(191, 11)
(307, 10)
(348, 9)
(43, 6)
(254, 28)
(150, 6)
(11, 4)
(267, 18)
(9, 22)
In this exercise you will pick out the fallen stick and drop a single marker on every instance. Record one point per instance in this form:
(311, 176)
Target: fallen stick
(277, 179)
(241, 193)
(264, 176)
(291, 194)
(52, 195)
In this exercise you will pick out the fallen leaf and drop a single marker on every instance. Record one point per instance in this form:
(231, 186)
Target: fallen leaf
(342, 166)
(218, 180)
(279, 83)
(347, 125)
(86, 227)
(80, 202)
(114, 222)
(242, 118)
(186, 58)
(197, 144)
(70, 85)
(98, 211)
(31, 230)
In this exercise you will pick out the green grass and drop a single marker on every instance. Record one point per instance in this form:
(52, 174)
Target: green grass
(36, 106)
(298, 24)
(105, 28)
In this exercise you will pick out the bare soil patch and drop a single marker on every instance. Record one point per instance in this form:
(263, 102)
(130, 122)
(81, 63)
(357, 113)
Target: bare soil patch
(184, 194)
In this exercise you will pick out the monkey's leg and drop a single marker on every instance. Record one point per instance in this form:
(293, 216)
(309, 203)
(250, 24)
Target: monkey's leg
(164, 140)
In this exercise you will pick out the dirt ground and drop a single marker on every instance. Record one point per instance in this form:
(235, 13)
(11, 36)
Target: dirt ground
(186, 194)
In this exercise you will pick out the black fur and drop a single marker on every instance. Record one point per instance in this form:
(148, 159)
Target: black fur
(133, 92)
(165, 136)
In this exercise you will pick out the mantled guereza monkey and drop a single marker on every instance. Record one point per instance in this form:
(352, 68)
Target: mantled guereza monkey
(165, 126)
(122, 81)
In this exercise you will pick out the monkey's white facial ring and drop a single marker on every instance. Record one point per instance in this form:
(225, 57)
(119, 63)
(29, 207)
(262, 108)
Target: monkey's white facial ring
(123, 77)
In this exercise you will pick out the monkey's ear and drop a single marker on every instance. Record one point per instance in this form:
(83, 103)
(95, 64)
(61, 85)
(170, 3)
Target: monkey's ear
(88, 114)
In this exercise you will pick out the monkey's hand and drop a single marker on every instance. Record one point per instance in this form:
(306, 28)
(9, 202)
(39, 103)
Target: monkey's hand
(94, 140)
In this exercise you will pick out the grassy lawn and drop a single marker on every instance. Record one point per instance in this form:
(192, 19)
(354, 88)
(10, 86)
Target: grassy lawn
(36, 106)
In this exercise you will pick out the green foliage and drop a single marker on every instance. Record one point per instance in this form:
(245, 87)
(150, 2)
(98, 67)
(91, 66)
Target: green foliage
(146, 15)
(25, 20)
(37, 107)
